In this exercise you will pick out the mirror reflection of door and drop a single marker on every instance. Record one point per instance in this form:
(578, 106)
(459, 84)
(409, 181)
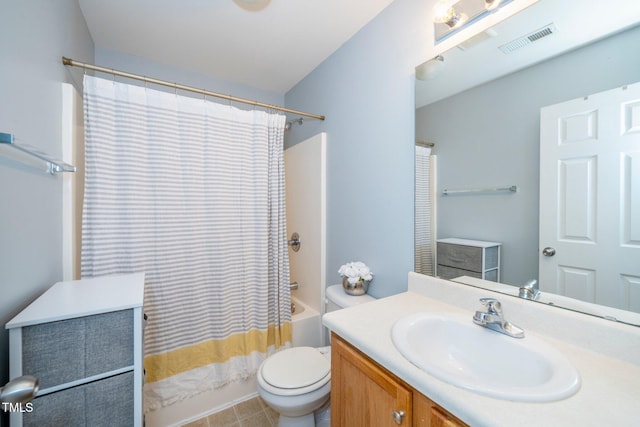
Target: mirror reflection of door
(590, 198)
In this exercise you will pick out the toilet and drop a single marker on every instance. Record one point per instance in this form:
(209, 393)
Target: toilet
(296, 382)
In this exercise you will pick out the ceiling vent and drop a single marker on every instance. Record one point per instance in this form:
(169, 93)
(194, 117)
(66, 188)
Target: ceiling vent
(529, 38)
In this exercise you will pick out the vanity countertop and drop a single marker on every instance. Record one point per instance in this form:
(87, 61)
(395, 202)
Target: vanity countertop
(606, 354)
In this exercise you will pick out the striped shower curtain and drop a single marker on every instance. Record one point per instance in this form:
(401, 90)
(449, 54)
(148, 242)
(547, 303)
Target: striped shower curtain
(424, 221)
(192, 193)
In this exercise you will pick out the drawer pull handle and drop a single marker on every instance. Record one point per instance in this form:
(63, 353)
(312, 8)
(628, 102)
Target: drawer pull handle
(398, 416)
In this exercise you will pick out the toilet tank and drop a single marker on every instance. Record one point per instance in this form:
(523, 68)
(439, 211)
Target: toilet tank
(336, 298)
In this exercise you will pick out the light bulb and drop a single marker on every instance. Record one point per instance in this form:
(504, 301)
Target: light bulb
(443, 10)
(491, 4)
(445, 13)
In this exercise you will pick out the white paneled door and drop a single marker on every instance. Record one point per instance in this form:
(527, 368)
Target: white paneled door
(590, 198)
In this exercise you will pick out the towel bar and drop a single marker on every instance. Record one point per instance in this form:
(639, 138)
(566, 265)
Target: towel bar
(511, 189)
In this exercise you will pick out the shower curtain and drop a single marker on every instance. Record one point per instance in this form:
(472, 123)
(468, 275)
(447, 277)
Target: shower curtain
(192, 193)
(423, 212)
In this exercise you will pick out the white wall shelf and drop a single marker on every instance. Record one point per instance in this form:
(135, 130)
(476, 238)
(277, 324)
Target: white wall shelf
(53, 165)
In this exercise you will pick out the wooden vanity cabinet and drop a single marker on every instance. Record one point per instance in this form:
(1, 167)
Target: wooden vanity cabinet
(428, 414)
(365, 394)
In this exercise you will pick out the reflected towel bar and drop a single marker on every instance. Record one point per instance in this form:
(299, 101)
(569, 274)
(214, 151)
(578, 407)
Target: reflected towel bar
(54, 165)
(511, 189)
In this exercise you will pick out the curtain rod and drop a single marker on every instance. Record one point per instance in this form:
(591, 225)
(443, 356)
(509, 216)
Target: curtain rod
(425, 144)
(74, 63)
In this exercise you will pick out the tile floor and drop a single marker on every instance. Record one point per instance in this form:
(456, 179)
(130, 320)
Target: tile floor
(250, 413)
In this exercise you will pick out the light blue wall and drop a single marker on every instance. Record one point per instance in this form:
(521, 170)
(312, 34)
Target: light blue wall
(366, 90)
(489, 136)
(34, 35)
(137, 65)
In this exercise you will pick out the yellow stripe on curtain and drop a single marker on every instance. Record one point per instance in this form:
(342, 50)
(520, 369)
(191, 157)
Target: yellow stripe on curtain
(164, 365)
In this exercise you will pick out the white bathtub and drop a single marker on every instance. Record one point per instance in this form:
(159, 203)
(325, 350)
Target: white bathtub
(307, 331)
(306, 325)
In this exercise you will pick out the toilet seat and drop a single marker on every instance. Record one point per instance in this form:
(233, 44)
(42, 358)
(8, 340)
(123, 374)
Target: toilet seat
(294, 371)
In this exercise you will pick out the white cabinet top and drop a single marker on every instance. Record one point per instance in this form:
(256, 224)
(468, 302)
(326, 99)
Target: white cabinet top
(86, 297)
(467, 242)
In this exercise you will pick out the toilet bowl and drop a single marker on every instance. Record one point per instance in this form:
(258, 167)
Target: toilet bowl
(296, 382)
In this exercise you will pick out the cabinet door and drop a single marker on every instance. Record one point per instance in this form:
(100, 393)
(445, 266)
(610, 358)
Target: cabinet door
(362, 393)
(428, 414)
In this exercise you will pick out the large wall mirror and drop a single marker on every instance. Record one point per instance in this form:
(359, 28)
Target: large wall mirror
(480, 105)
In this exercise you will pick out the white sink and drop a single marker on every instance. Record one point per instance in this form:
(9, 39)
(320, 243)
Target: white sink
(454, 349)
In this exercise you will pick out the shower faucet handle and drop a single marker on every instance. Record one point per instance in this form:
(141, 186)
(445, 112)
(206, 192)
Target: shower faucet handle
(294, 242)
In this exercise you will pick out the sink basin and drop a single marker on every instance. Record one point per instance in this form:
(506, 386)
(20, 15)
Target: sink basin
(454, 349)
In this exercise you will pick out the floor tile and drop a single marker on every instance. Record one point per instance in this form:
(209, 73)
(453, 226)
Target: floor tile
(248, 408)
(224, 418)
(257, 420)
(202, 422)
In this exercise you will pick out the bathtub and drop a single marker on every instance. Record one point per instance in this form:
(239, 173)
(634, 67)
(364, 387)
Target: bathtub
(306, 325)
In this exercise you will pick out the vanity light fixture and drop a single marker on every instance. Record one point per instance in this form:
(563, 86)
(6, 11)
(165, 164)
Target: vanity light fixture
(444, 12)
(492, 4)
(252, 5)
(452, 16)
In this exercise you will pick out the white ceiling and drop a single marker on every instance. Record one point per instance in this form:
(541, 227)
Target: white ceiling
(272, 49)
(275, 48)
(579, 22)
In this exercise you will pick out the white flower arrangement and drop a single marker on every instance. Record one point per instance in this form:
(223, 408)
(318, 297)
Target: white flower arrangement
(356, 271)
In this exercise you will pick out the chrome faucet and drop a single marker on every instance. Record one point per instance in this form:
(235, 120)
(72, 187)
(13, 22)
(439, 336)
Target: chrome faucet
(493, 319)
(530, 290)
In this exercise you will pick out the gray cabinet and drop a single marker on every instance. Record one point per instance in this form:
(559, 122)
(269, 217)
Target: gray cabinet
(83, 341)
(462, 257)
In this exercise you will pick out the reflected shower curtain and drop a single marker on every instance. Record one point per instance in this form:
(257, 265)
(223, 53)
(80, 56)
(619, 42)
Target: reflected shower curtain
(192, 193)
(424, 212)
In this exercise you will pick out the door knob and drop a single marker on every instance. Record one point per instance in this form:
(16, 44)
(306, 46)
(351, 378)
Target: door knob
(548, 251)
(398, 416)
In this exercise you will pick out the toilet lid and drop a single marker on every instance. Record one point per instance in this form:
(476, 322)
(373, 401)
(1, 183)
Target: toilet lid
(295, 367)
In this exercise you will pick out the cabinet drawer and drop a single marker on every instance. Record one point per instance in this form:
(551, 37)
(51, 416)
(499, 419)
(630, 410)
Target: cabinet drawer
(107, 402)
(467, 257)
(446, 272)
(69, 350)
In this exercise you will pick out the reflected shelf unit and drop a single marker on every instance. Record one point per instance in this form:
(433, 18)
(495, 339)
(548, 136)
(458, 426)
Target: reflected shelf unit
(463, 257)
